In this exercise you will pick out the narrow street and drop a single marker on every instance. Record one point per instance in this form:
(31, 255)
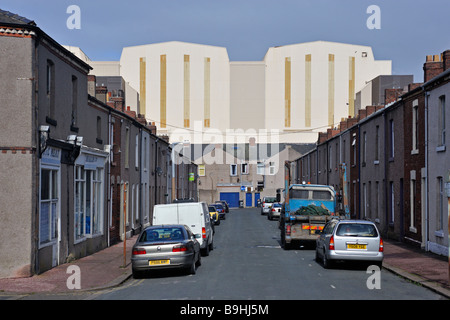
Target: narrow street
(248, 263)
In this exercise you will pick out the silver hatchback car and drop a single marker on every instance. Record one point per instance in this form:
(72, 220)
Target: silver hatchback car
(357, 240)
(166, 246)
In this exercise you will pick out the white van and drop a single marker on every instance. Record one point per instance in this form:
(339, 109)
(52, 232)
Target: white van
(193, 214)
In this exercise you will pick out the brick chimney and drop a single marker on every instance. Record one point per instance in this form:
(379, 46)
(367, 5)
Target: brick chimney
(91, 84)
(152, 127)
(392, 95)
(100, 93)
(432, 67)
(446, 59)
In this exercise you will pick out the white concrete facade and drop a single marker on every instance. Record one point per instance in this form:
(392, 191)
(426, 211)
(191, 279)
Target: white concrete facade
(196, 80)
(296, 90)
(311, 86)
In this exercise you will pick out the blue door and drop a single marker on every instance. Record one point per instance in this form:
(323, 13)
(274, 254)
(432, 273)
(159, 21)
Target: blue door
(248, 199)
(257, 197)
(232, 198)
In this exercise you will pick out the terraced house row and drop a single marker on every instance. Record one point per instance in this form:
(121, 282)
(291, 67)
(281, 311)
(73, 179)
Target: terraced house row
(78, 171)
(390, 163)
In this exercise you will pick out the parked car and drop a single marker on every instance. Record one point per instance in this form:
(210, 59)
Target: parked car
(220, 209)
(266, 203)
(168, 246)
(274, 211)
(357, 240)
(193, 214)
(214, 214)
(225, 205)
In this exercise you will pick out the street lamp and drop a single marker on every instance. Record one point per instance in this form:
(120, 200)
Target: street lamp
(44, 135)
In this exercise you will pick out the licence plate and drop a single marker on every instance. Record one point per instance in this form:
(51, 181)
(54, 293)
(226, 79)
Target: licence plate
(158, 262)
(356, 246)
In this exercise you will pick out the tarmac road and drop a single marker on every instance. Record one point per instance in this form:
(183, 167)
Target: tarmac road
(248, 263)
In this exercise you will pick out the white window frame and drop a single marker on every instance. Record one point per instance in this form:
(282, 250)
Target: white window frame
(272, 168)
(260, 168)
(53, 234)
(95, 209)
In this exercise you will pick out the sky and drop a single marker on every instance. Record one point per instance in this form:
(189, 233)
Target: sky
(409, 30)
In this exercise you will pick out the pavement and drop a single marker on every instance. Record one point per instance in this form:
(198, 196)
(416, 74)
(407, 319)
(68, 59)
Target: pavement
(105, 269)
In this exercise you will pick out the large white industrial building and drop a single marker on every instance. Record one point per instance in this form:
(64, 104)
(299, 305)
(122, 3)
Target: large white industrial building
(192, 90)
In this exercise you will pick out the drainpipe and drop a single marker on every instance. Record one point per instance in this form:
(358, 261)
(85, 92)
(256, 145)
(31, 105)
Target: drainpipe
(426, 168)
(358, 162)
(108, 179)
(386, 185)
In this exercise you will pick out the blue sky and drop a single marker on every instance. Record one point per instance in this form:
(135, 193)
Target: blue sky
(410, 30)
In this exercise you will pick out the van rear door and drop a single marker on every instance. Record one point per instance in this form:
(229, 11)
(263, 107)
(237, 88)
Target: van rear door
(189, 214)
(165, 214)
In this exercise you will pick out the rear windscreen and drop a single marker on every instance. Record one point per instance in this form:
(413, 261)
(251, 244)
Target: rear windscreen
(162, 234)
(356, 230)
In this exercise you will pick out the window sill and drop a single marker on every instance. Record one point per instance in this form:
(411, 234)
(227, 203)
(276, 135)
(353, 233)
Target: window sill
(51, 121)
(439, 234)
(440, 149)
(415, 151)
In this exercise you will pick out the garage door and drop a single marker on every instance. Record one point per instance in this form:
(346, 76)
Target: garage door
(232, 198)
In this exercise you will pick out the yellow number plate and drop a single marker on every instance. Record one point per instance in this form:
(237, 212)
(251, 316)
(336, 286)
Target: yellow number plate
(356, 246)
(158, 262)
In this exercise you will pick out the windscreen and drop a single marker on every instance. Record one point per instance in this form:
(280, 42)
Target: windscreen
(162, 234)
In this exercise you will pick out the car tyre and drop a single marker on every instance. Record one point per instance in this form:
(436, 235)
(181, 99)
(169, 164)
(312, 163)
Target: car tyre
(137, 274)
(205, 252)
(327, 263)
(192, 269)
(211, 245)
(199, 260)
(317, 259)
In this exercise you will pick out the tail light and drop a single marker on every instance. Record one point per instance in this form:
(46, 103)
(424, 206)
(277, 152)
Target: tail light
(181, 248)
(273, 210)
(381, 248)
(331, 245)
(288, 230)
(139, 251)
(204, 233)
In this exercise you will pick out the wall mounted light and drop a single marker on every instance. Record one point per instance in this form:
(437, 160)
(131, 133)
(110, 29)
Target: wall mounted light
(44, 135)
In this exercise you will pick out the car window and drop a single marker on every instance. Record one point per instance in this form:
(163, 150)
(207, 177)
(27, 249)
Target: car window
(162, 234)
(356, 230)
(322, 195)
(189, 232)
(329, 227)
(212, 209)
(270, 199)
(277, 205)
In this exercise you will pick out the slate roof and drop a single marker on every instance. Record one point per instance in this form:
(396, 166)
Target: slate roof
(9, 17)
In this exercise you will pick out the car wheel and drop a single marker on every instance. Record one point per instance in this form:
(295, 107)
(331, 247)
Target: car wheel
(211, 245)
(137, 274)
(199, 260)
(192, 269)
(317, 256)
(327, 263)
(205, 251)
